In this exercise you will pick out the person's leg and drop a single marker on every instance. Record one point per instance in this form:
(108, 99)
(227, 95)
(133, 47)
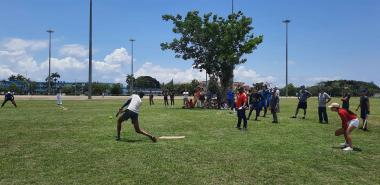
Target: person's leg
(244, 118)
(5, 101)
(257, 112)
(320, 114)
(347, 135)
(14, 103)
(136, 125)
(250, 111)
(297, 109)
(118, 127)
(304, 113)
(239, 119)
(325, 115)
(274, 114)
(265, 109)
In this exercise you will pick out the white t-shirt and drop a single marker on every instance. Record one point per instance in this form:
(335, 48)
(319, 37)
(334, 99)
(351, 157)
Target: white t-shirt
(185, 95)
(135, 104)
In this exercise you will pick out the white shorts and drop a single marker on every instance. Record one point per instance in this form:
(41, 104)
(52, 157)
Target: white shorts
(354, 122)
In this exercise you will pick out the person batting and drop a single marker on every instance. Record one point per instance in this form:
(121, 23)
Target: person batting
(133, 105)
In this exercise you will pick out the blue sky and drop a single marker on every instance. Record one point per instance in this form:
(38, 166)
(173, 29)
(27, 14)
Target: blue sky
(328, 39)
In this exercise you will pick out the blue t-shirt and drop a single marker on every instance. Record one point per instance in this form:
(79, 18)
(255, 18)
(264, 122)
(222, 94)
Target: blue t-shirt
(8, 96)
(230, 95)
(304, 95)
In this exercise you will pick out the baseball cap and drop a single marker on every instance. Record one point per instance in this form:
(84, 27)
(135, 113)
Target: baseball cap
(335, 105)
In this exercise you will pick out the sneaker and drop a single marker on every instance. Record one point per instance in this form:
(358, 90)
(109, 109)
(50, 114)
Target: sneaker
(154, 139)
(365, 129)
(343, 145)
(348, 149)
(274, 121)
(303, 117)
(293, 117)
(117, 138)
(238, 128)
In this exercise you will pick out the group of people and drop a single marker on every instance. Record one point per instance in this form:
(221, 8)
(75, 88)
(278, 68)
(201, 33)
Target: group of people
(261, 98)
(258, 98)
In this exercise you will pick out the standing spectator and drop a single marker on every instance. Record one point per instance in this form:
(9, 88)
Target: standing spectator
(323, 99)
(241, 104)
(346, 101)
(364, 108)
(274, 106)
(172, 94)
(151, 102)
(197, 95)
(230, 98)
(166, 102)
(59, 97)
(254, 103)
(185, 97)
(302, 104)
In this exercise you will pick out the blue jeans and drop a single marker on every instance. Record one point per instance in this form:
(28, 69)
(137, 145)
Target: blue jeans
(241, 116)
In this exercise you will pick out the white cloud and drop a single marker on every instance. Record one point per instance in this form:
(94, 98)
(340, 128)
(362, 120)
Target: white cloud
(64, 64)
(167, 74)
(5, 72)
(118, 56)
(250, 76)
(16, 44)
(73, 50)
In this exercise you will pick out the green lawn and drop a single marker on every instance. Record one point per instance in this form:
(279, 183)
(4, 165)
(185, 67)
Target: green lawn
(42, 144)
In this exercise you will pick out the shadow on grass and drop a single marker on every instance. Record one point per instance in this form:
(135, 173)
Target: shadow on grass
(356, 149)
(131, 140)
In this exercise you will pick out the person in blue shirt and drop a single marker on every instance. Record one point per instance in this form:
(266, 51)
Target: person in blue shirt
(9, 97)
(230, 98)
(264, 100)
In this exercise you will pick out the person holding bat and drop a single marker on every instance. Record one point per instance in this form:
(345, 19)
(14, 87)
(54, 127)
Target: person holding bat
(133, 105)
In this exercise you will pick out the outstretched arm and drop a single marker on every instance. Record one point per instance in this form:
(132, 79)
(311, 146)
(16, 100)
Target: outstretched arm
(126, 103)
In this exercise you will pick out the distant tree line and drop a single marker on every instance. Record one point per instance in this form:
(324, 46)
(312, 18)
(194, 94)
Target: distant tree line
(336, 88)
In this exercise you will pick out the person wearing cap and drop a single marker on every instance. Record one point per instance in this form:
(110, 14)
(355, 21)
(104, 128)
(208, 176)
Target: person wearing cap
(349, 123)
(302, 104)
(133, 105)
(364, 108)
(9, 97)
(241, 103)
(323, 99)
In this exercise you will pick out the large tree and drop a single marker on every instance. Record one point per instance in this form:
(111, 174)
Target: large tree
(147, 82)
(214, 43)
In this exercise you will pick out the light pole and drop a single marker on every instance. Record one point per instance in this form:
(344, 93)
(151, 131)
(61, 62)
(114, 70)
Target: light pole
(90, 56)
(50, 32)
(131, 85)
(232, 6)
(286, 83)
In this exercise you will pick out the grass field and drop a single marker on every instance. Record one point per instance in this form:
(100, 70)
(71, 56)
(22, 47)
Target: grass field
(42, 144)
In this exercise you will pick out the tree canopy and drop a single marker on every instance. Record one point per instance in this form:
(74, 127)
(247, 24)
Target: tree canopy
(146, 82)
(214, 43)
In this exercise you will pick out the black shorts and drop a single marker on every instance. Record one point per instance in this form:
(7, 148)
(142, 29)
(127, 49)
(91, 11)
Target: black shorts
(129, 114)
(302, 105)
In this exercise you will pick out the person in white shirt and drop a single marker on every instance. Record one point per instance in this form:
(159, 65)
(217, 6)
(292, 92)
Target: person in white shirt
(185, 97)
(133, 105)
(59, 97)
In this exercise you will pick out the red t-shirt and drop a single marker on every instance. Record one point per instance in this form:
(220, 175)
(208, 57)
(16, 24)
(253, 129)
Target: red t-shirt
(241, 100)
(345, 117)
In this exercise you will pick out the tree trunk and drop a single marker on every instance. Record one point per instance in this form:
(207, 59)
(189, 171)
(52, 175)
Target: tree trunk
(226, 81)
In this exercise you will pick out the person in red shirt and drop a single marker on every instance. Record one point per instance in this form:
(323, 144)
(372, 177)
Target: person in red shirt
(241, 105)
(349, 123)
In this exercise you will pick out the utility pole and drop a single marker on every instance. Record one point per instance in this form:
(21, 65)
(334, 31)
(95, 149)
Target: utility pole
(50, 32)
(131, 85)
(286, 24)
(90, 57)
